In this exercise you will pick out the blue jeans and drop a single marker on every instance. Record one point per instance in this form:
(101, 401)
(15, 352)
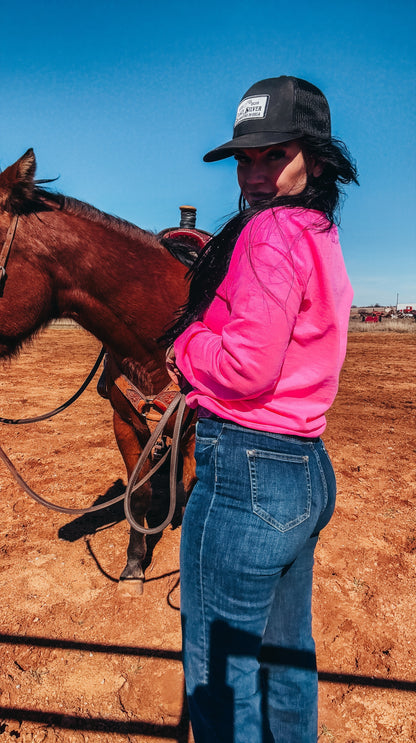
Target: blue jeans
(248, 538)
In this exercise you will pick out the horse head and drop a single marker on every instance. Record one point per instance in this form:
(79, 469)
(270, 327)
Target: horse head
(24, 292)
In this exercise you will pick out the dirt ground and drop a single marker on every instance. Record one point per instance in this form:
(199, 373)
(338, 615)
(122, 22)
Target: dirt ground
(81, 662)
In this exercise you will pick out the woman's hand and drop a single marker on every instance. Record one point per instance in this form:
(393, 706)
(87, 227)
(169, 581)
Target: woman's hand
(173, 371)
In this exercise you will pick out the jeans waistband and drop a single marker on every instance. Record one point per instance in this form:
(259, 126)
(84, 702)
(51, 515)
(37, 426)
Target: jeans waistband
(204, 413)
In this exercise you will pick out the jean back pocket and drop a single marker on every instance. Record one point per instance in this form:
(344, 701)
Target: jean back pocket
(280, 487)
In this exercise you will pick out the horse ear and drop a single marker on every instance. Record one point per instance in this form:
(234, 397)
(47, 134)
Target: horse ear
(17, 183)
(26, 166)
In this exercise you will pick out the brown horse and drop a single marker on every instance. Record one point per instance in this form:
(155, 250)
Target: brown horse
(117, 281)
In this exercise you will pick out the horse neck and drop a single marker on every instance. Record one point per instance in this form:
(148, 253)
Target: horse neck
(120, 284)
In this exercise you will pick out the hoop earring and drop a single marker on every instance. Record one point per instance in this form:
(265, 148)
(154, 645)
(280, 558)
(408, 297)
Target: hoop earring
(242, 203)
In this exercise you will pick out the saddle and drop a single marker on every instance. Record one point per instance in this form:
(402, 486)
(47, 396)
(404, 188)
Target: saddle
(184, 242)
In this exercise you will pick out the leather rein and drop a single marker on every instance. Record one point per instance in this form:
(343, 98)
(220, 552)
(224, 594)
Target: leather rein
(60, 408)
(159, 409)
(156, 411)
(178, 404)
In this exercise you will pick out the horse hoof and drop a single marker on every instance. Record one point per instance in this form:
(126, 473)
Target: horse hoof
(130, 588)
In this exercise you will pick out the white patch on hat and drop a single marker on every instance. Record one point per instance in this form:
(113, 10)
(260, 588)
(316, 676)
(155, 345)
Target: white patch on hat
(252, 108)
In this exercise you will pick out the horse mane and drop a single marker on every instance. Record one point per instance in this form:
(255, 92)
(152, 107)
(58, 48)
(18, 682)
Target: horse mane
(70, 205)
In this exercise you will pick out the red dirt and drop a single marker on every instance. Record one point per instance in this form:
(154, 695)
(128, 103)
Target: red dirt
(81, 663)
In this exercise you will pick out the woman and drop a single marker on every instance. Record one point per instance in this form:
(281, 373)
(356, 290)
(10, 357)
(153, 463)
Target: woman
(260, 344)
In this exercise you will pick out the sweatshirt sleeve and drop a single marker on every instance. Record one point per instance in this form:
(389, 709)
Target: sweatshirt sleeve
(263, 293)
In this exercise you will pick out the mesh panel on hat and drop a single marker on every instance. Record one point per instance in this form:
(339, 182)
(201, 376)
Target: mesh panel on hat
(311, 109)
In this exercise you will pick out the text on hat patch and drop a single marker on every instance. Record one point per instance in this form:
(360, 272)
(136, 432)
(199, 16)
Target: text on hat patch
(252, 108)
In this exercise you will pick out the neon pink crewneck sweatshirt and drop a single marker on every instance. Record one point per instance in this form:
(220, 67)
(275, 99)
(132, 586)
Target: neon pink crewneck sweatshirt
(270, 347)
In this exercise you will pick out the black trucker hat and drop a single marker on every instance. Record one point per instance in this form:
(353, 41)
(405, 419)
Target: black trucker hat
(276, 110)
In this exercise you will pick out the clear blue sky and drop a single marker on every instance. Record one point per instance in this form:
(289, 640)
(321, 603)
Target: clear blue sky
(122, 99)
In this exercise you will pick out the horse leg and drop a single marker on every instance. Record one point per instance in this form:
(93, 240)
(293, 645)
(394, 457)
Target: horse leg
(130, 449)
(187, 451)
(188, 471)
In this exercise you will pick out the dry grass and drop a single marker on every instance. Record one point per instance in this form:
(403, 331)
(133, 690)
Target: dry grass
(389, 325)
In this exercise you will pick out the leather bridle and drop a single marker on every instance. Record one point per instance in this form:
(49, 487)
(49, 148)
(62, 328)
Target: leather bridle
(6, 250)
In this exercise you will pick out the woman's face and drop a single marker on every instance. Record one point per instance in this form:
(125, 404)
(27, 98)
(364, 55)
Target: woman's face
(266, 172)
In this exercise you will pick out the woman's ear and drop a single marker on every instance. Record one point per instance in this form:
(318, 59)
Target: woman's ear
(317, 170)
(314, 167)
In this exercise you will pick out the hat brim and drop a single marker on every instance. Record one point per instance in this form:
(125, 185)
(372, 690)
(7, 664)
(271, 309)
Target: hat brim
(246, 141)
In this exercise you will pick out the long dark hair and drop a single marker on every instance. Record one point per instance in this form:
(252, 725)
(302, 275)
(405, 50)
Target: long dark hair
(322, 193)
